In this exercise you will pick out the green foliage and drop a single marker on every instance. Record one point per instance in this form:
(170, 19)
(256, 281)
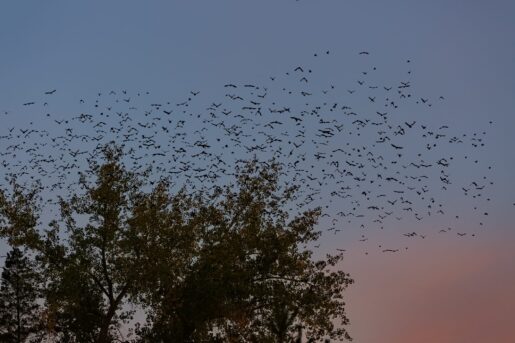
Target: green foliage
(231, 266)
(249, 279)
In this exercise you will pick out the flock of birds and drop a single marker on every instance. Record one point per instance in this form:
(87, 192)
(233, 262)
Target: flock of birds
(353, 148)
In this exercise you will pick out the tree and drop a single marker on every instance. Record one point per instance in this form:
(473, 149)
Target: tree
(231, 265)
(102, 263)
(101, 255)
(19, 310)
(250, 278)
(98, 256)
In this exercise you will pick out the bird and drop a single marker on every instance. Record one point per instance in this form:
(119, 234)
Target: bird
(334, 149)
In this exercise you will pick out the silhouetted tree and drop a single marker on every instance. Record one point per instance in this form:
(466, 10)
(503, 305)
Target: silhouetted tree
(19, 310)
(95, 258)
(250, 277)
(229, 266)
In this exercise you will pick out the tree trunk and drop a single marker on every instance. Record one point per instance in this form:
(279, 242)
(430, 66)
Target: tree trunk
(103, 336)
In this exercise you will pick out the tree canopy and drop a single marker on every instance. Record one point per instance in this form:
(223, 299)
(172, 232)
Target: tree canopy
(231, 265)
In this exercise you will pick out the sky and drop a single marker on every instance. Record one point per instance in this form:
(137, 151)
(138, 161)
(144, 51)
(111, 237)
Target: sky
(443, 288)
